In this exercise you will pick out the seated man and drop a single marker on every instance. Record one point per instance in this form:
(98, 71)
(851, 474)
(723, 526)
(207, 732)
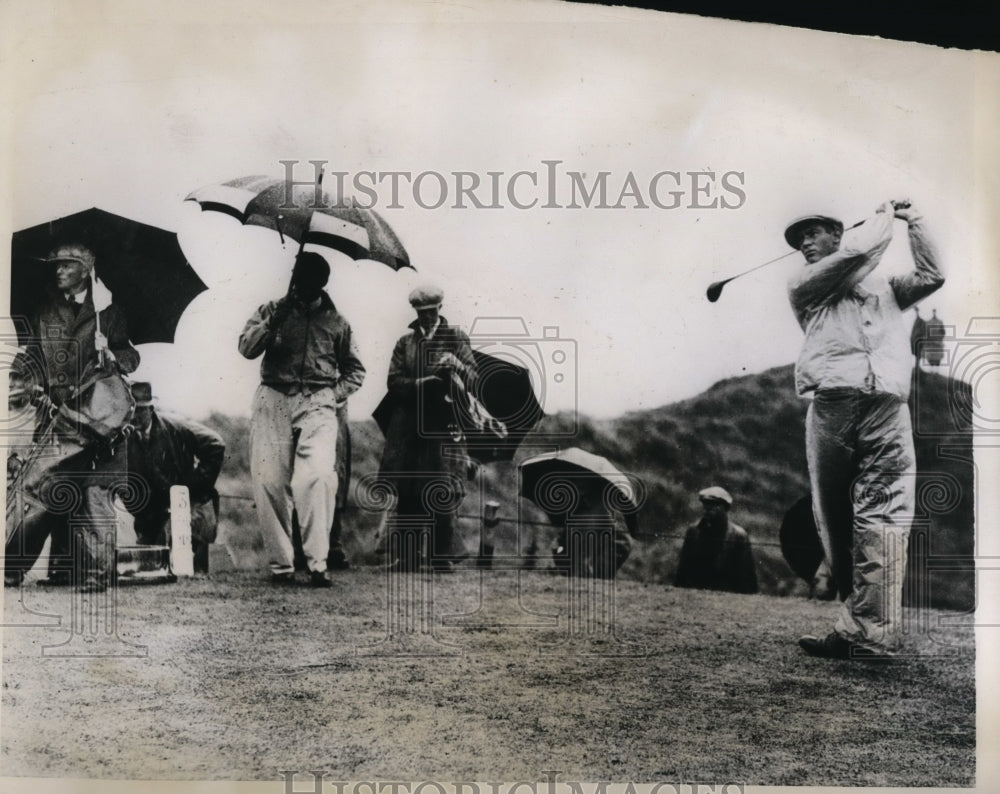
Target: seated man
(592, 541)
(716, 554)
(167, 450)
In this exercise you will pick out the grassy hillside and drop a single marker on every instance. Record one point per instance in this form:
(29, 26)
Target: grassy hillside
(745, 434)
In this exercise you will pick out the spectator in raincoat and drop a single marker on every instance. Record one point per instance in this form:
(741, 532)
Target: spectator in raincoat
(80, 349)
(425, 458)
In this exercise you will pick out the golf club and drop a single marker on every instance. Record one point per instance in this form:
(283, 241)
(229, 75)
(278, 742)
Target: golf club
(715, 288)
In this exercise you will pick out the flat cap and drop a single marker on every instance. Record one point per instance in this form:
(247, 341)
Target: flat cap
(426, 296)
(142, 393)
(71, 253)
(793, 232)
(715, 494)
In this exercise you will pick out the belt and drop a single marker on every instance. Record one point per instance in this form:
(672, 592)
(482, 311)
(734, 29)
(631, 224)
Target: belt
(850, 392)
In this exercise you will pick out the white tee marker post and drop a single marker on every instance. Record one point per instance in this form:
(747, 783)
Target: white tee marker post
(181, 551)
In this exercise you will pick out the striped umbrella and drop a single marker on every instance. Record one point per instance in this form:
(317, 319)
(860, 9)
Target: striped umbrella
(306, 214)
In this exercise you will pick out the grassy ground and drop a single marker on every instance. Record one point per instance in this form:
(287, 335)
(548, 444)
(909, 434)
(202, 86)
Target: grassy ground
(461, 677)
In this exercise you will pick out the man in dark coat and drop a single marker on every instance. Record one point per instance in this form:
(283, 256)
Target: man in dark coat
(425, 458)
(73, 345)
(716, 554)
(71, 338)
(164, 451)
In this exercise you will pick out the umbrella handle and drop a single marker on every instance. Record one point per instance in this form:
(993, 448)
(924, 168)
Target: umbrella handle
(102, 361)
(302, 244)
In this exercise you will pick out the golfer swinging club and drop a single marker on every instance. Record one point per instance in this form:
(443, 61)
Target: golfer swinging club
(856, 361)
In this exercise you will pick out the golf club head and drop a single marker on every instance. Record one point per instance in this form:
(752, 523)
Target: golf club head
(715, 290)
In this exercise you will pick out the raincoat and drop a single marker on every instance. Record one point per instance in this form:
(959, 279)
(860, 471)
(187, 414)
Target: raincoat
(426, 465)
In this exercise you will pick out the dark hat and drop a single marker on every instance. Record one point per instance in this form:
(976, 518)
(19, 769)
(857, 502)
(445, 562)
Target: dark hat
(142, 393)
(426, 297)
(793, 233)
(311, 268)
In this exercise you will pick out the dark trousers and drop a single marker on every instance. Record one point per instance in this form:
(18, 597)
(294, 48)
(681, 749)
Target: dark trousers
(83, 540)
(417, 535)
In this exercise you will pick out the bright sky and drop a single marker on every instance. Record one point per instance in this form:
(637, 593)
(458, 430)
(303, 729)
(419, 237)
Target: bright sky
(132, 114)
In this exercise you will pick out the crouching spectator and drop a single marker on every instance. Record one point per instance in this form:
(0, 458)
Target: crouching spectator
(166, 450)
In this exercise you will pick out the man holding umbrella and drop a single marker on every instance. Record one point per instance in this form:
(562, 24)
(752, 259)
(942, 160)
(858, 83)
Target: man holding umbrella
(73, 344)
(310, 368)
(856, 361)
(74, 338)
(425, 457)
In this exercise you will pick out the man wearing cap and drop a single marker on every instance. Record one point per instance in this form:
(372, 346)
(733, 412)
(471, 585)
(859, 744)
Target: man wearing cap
(73, 345)
(72, 338)
(310, 368)
(425, 459)
(716, 554)
(857, 363)
(167, 450)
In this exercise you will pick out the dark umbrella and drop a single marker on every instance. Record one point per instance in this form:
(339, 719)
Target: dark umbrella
(799, 536)
(293, 211)
(502, 388)
(142, 266)
(556, 482)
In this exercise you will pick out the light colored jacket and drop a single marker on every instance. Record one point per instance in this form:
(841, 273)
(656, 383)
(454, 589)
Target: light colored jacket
(852, 317)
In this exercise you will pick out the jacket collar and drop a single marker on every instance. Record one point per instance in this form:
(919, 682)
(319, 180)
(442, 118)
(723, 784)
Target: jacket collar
(88, 294)
(325, 304)
(442, 325)
(86, 309)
